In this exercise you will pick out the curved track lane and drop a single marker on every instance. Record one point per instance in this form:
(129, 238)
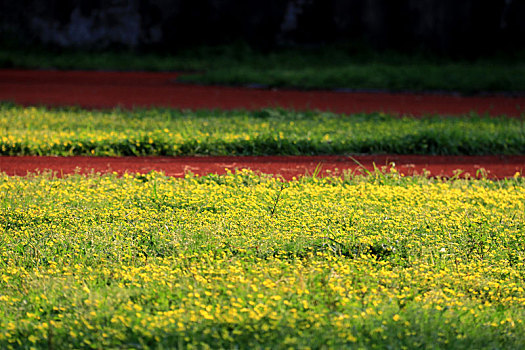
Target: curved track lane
(99, 89)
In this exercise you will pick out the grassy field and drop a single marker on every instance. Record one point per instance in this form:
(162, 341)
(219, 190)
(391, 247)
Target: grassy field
(69, 131)
(325, 68)
(247, 261)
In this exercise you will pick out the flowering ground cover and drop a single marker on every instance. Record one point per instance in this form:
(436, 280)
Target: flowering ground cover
(243, 260)
(73, 131)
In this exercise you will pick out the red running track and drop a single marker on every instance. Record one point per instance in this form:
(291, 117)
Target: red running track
(495, 167)
(142, 89)
(98, 89)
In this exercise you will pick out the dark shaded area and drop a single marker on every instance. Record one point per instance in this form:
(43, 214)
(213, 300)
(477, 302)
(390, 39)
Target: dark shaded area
(467, 27)
(91, 89)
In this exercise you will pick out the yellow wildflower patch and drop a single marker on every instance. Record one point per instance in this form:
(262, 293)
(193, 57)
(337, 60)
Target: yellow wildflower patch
(243, 260)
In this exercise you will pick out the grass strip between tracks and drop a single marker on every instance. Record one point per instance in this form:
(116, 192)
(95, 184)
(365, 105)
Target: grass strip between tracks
(70, 131)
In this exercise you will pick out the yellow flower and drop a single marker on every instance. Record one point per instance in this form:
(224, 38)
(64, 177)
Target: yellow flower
(32, 338)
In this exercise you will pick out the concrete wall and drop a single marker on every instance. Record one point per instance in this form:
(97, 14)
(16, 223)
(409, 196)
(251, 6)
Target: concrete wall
(443, 25)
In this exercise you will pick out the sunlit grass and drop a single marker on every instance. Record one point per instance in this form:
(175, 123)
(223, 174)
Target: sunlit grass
(248, 261)
(73, 131)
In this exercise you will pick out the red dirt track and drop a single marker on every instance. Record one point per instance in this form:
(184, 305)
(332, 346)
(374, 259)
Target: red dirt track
(141, 89)
(96, 89)
(496, 167)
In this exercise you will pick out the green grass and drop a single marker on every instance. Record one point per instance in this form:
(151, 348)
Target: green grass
(246, 261)
(325, 68)
(73, 131)
(452, 77)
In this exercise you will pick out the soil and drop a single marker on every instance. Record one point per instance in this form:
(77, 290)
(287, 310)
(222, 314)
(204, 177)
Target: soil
(493, 167)
(100, 89)
(143, 89)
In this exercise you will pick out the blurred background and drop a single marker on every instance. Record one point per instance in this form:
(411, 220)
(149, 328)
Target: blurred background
(465, 28)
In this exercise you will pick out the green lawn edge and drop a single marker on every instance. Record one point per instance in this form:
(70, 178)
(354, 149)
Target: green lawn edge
(171, 132)
(323, 68)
